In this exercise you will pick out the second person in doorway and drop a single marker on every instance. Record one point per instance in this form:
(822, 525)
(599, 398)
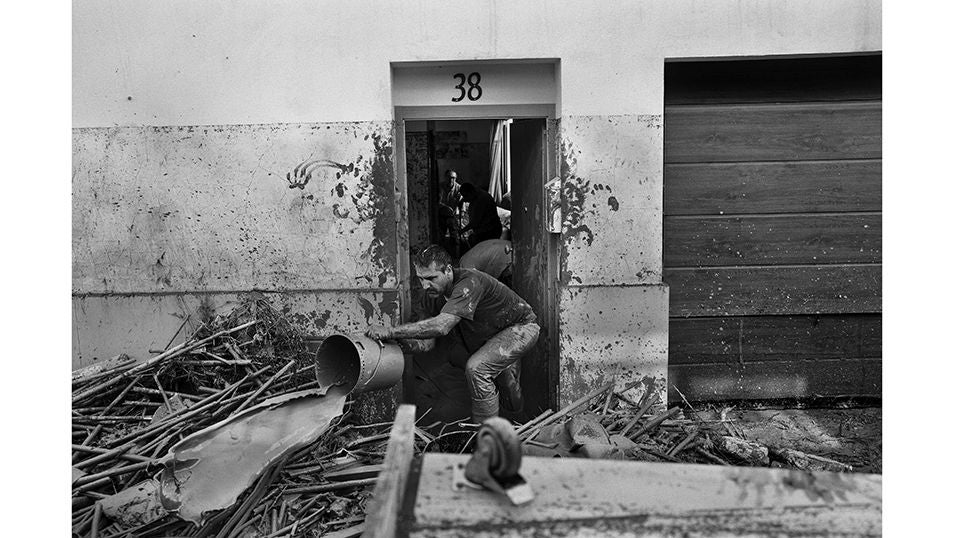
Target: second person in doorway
(484, 222)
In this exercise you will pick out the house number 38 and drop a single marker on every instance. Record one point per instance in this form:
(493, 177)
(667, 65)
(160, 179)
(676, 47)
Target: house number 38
(472, 92)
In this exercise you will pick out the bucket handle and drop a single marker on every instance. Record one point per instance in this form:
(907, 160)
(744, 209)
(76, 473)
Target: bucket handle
(380, 356)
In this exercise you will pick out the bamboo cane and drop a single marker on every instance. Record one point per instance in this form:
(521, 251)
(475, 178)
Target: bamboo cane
(178, 350)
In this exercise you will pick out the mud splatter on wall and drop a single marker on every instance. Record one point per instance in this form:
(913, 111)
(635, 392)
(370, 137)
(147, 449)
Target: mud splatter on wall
(613, 304)
(613, 332)
(611, 168)
(213, 204)
(214, 211)
(104, 326)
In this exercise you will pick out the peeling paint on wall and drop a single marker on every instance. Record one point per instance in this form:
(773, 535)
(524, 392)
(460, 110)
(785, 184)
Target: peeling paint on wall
(575, 190)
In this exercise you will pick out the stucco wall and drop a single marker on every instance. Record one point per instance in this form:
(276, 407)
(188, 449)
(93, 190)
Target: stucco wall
(613, 305)
(276, 78)
(249, 61)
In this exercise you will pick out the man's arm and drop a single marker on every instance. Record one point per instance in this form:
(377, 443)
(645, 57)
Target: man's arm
(439, 325)
(417, 345)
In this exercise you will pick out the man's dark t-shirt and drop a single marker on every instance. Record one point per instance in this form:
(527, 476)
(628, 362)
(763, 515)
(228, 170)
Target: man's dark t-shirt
(485, 307)
(483, 217)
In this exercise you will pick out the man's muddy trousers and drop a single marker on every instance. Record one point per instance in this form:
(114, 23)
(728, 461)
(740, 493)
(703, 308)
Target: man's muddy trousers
(500, 352)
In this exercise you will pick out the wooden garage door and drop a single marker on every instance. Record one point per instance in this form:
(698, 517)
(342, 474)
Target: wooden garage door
(772, 227)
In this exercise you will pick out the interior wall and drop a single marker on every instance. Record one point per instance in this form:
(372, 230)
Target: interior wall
(464, 146)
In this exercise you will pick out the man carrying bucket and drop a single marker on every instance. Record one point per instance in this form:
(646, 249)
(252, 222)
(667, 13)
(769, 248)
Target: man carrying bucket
(497, 328)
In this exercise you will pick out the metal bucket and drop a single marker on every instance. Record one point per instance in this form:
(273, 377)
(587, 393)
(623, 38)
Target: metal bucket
(358, 363)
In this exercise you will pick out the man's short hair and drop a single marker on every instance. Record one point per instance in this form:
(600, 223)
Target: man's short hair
(467, 188)
(434, 254)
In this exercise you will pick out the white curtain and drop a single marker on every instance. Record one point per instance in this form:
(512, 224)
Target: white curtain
(498, 173)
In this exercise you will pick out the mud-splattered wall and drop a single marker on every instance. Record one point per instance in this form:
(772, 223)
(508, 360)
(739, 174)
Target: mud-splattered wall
(613, 305)
(167, 217)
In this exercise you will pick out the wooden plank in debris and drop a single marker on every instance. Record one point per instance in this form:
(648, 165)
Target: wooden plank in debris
(355, 473)
(93, 370)
(350, 532)
(609, 498)
(388, 495)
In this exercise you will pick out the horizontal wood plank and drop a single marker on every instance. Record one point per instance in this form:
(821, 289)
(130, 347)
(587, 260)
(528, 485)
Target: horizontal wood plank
(771, 380)
(772, 132)
(750, 291)
(771, 240)
(773, 187)
(737, 339)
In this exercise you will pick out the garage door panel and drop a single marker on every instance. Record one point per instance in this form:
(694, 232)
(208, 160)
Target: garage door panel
(752, 291)
(774, 187)
(773, 132)
(771, 380)
(731, 340)
(772, 240)
(772, 227)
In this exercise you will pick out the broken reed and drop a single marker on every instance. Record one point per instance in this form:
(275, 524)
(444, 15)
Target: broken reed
(667, 436)
(235, 365)
(209, 378)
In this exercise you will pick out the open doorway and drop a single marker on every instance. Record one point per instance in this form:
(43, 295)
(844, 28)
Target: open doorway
(508, 159)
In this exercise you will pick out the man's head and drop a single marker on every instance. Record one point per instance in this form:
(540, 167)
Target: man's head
(467, 191)
(433, 266)
(450, 182)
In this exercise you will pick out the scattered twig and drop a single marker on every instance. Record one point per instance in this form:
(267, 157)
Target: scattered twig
(649, 398)
(333, 486)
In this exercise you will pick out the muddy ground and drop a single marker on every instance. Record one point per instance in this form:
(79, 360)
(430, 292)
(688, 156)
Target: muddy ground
(851, 436)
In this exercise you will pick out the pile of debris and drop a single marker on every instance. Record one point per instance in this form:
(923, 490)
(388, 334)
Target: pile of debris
(606, 424)
(128, 416)
(133, 422)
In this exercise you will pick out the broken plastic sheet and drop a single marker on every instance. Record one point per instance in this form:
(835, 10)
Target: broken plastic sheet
(208, 470)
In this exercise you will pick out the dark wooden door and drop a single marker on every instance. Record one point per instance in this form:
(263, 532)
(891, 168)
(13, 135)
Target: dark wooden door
(528, 142)
(772, 228)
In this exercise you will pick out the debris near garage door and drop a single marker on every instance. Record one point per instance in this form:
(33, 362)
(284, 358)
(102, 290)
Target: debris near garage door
(605, 424)
(226, 434)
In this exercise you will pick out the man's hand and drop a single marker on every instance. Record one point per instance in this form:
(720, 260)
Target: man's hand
(378, 332)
